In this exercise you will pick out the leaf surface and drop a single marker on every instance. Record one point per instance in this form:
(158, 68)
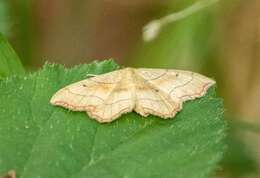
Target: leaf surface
(39, 140)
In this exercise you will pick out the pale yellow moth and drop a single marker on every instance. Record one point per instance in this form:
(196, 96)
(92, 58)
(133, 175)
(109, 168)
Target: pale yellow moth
(146, 91)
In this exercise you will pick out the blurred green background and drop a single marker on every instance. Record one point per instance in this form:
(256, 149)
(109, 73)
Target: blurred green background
(221, 41)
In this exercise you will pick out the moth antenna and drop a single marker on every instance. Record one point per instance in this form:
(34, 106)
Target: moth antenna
(91, 75)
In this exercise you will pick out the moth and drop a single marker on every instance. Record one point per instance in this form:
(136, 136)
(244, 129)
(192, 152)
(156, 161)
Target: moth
(10, 174)
(160, 92)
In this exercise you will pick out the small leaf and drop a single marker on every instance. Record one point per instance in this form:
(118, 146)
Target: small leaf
(41, 140)
(9, 61)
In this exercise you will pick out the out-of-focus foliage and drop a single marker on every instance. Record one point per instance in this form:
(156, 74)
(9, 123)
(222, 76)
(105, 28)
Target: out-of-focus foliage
(239, 161)
(4, 17)
(24, 28)
(183, 44)
(10, 63)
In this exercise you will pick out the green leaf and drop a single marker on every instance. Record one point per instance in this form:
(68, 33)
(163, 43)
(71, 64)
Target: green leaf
(9, 61)
(39, 140)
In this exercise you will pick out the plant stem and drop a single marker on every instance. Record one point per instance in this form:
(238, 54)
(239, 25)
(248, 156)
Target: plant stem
(152, 29)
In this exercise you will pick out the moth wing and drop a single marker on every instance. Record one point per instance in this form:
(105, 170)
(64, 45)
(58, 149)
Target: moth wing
(97, 96)
(168, 89)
